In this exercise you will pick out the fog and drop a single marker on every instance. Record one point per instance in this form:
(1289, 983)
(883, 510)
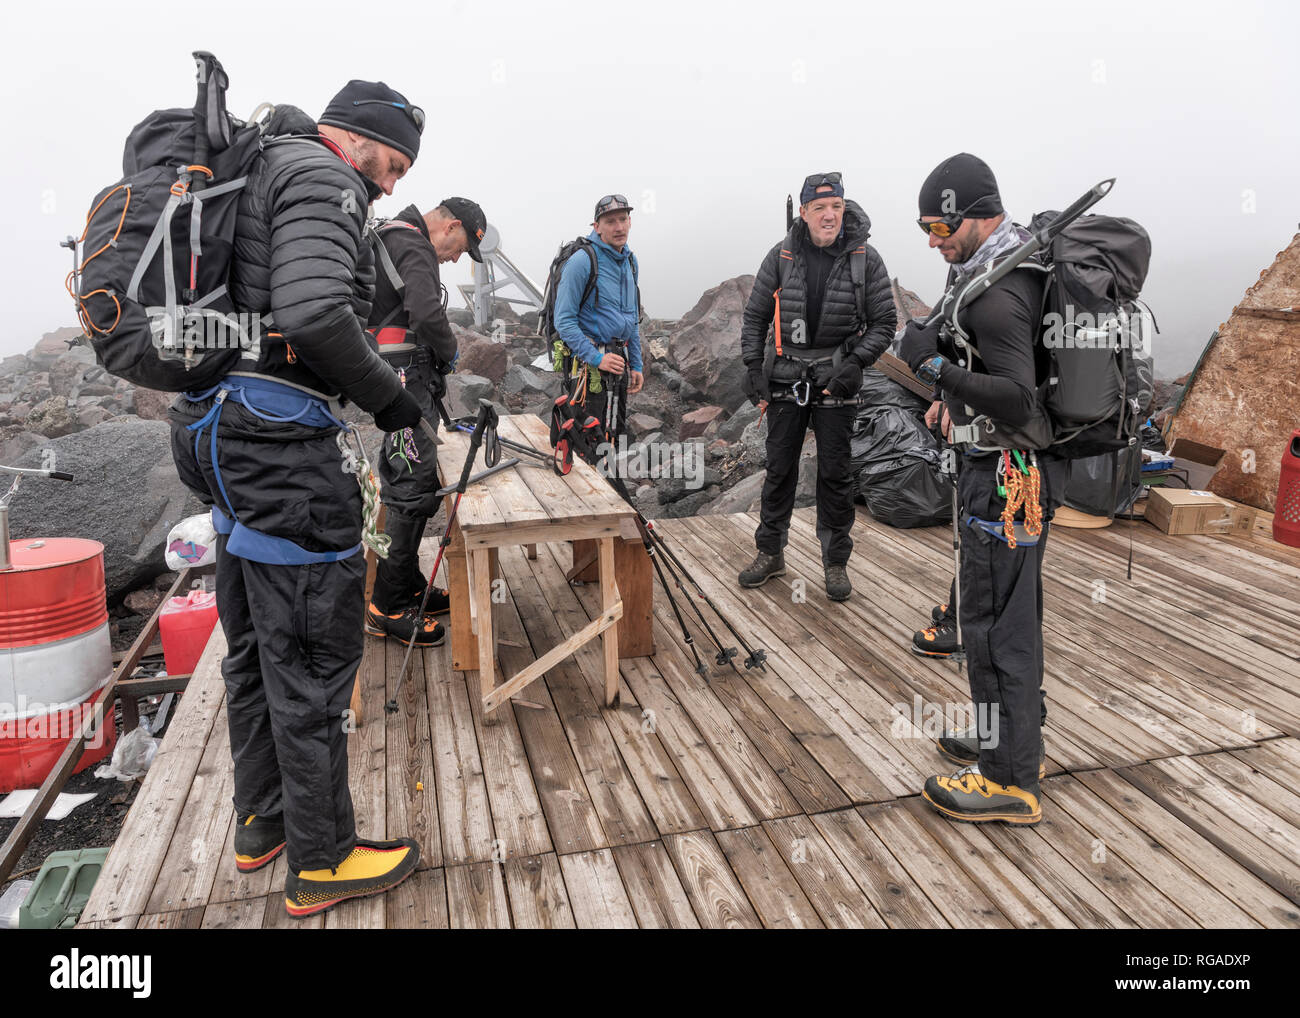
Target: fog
(706, 116)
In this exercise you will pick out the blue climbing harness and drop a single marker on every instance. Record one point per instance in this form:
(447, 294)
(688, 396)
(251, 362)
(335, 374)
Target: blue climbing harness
(281, 404)
(994, 527)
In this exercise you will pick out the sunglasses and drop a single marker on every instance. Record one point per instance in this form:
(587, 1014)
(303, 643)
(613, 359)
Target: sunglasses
(819, 179)
(610, 201)
(414, 112)
(948, 225)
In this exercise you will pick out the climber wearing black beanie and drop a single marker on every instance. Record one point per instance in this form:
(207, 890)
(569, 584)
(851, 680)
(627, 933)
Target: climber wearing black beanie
(383, 117)
(963, 184)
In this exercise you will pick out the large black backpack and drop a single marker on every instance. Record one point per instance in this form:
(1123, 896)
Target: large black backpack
(151, 270)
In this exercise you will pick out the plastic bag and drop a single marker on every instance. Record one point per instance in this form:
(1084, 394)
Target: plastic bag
(895, 465)
(132, 755)
(192, 542)
(1105, 485)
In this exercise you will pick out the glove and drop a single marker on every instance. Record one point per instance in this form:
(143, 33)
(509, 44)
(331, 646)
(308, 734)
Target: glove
(847, 381)
(756, 387)
(403, 412)
(919, 344)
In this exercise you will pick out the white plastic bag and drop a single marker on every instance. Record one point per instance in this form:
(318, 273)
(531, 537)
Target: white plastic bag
(132, 755)
(192, 542)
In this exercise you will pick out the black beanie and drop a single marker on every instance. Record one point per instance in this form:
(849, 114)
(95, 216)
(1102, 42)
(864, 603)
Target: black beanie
(958, 182)
(382, 121)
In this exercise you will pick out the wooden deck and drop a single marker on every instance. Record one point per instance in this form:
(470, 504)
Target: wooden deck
(789, 798)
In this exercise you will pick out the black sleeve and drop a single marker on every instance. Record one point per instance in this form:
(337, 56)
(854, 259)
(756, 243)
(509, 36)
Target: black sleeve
(882, 316)
(759, 310)
(417, 263)
(317, 222)
(1004, 326)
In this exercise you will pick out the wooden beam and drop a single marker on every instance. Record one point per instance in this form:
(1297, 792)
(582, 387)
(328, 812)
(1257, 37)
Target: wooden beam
(898, 371)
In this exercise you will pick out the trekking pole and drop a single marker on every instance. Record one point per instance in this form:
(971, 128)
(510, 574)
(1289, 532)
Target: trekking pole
(486, 415)
(725, 655)
(950, 452)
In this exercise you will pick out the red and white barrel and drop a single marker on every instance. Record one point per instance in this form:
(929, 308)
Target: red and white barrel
(55, 655)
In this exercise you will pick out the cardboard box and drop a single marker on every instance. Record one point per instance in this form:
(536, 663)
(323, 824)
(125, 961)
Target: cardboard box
(1201, 462)
(1180, 511)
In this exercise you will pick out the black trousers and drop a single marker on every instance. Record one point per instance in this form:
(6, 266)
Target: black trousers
(1002, 624)
(787, 424)
(408, 472)
(294, 632)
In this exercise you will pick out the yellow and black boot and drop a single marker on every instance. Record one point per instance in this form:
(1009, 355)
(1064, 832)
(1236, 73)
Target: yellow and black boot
(971, 797)
(258, 840)
(963, 747)
(372, 867)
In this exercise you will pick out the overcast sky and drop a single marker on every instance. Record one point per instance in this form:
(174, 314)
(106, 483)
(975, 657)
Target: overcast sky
(706, 115)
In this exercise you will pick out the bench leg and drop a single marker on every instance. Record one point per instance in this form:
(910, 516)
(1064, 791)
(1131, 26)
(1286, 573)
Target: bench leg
(609, 638)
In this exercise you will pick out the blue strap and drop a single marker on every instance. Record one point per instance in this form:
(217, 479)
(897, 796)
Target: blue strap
(283, 404)
(994, 527)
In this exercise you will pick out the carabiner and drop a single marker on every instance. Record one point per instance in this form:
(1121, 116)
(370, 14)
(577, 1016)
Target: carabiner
(807, 392)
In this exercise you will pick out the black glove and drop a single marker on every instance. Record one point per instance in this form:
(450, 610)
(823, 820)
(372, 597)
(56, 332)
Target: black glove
(756, 387)
(920, 343)
(848, 380)
(403, 412)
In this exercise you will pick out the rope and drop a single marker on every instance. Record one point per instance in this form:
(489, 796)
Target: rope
(355, 462)
(1022, 490)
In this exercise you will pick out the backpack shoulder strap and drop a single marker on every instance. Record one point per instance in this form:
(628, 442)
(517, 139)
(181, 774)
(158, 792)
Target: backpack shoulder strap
(858, 273)
(590, 289)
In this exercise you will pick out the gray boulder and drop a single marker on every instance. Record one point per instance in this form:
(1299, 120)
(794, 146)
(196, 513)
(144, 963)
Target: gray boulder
(126, 495)
(521, 381)
(465, 390)
(739, 498)
(732, 428)
(705, 346)
(54, 417)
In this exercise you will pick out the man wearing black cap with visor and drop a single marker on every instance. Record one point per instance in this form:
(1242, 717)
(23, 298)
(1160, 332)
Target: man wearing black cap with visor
(264, 448)
(409, 321)
(1001, 603)
(824, 295)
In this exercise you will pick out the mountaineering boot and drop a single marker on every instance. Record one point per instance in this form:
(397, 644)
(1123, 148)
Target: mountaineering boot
(439, 602)
(964, 748)
(940, 640)
(838, 587)
(258, 840)
(938, 613)
(971, 797)
(405, 626)
(371, 868)
(762, 569)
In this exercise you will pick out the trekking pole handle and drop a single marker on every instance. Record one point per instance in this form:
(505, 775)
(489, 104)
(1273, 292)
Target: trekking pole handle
(486, 415)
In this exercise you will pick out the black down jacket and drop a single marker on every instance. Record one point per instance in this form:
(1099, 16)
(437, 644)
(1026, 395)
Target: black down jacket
(839, 322)
(301, 255)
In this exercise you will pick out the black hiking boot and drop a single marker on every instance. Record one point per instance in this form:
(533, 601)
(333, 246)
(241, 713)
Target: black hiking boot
(439, 602)
(762, 569)
(371, 868)
(940, 640)
(938, 613)
(838, 587)
(405, 626)
(964, 748)
(971, 797)
(258, 840)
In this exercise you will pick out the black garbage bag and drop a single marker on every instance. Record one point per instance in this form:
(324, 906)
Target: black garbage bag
(1105, 485)
(895, 459)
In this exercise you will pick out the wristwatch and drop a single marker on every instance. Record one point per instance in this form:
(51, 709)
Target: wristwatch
(928, 372)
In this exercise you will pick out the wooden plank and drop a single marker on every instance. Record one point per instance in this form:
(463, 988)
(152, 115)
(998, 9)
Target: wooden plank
(482, 574)
(829, 886)
(583, 479)
(893, 893)
(231, 885)
(234, 915)
(187, 919)
(1147, 851)
(1242, 777)
(776, 895)
(538, 900)
(716, 896)
(418, 903)
(952, 891)
(277, 917)
(465, 819)
(464, 644)
(550, 489)
(476, 897)
(411, 794)
(193, 857)
(653, 887)
(128, 922)
(596, 892)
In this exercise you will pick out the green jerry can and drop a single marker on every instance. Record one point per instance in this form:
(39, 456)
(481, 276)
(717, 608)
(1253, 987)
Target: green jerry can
(61, 890)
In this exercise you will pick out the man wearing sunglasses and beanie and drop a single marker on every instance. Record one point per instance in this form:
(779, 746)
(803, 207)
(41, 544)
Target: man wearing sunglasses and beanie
(263, 447)
(597, 314)
(824, 294)
(1001, 603)
(409, 322)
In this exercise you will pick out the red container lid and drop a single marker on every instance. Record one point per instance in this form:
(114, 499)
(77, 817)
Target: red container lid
(54, 591)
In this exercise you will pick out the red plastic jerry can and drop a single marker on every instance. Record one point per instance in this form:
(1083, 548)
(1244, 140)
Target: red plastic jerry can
(1286, 513)
(185, 623)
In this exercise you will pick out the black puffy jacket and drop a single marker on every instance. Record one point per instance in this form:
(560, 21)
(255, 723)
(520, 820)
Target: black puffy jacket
(301, 255)
(839, 322)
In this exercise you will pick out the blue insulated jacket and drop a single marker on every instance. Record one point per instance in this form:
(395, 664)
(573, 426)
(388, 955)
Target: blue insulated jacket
(611, 317)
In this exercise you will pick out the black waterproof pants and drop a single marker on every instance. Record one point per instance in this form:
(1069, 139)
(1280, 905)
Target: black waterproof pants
(1002, 624)
(408, 471)
(294, 632)
(786, 425)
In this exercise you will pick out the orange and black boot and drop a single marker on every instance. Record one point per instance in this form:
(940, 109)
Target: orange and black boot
(972, 798)
(938, 613)
(438, 603)
(372, 867)
(405, 626)
(964, 748)
(940, 640)
(258, 840)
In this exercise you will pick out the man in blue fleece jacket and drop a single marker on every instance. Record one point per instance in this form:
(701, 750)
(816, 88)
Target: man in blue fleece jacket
(597, 329)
